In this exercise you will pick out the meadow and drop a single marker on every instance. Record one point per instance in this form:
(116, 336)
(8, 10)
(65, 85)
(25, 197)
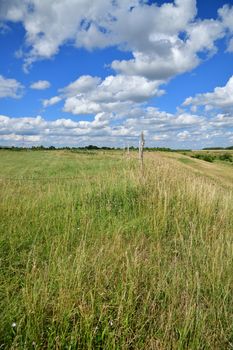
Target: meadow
(96, 255)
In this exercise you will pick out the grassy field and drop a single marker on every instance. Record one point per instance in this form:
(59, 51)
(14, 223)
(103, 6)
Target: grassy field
(218, 170)
(95, 256)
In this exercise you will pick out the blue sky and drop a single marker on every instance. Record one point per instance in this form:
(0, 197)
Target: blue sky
(76, 72)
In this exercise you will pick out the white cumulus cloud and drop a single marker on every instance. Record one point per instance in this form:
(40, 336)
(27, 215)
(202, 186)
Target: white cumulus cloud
(51, 101)
(88, 95)
(161, 129)
(10, 88)
(221, 97)
(40, 85)
(165, 40)
(83, 84)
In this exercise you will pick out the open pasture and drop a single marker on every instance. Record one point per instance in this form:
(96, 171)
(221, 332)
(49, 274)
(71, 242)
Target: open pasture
(93, 255)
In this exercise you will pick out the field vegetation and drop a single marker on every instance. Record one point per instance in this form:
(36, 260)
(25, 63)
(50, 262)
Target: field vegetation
(212, 155)
(95, 255)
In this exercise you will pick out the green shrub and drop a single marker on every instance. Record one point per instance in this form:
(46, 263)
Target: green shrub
(207, 157)
(226, 157)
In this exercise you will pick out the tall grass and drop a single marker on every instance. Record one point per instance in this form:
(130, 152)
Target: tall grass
(108, 260)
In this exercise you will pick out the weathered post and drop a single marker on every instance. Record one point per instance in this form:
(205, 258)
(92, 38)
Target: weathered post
(128, 154)
(141, 149)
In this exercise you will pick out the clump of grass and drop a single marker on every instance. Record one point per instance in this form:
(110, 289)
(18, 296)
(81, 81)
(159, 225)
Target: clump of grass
(108, 261)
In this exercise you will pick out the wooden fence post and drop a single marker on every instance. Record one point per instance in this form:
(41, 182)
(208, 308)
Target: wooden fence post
(141, 149)
(128, 154)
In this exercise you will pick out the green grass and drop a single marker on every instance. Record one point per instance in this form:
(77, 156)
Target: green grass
(95, 256)
(186, 160)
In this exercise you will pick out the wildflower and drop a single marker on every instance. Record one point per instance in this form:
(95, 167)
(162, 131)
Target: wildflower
(111, 323)
(13, 325)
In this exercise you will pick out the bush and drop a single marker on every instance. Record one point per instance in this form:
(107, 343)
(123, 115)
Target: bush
(226, 157)
(207, 157)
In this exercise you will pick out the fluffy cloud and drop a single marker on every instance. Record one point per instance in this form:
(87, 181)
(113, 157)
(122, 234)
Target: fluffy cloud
(79, 105)
(230, 45)
(40, 85)
(223, 121)
(32, 131)
(167, 43)
(88, 95)
(83, 84)
(51, 101)
(47, 28)
(161, 129)
(221, 97)
(184, 135)
(156, 66)
(21, 126)
(164, 41)
(226, 15)
(170, 55)
(159, 122)
(10, 88)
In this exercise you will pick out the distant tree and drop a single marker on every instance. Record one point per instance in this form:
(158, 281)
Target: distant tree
(91, 147)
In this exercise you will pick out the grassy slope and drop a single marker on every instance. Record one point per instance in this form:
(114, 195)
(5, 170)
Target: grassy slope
(95, 257)
(218, 171)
